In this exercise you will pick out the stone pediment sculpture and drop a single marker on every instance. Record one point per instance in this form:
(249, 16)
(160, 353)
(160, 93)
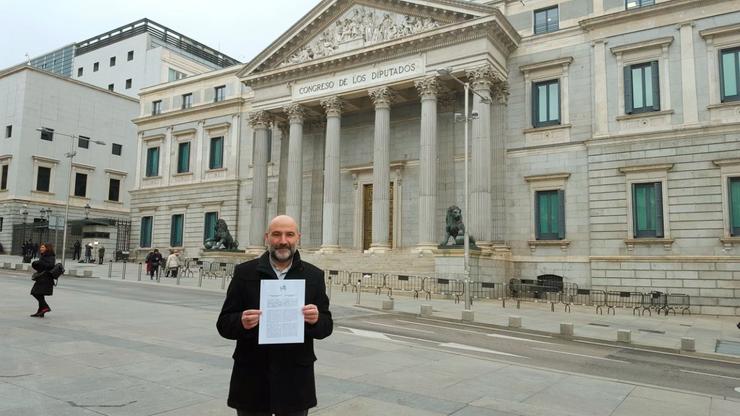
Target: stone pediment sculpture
(222, 239)
(358, 27)
(455, 229)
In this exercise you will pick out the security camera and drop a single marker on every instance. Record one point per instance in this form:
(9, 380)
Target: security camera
(474, 115)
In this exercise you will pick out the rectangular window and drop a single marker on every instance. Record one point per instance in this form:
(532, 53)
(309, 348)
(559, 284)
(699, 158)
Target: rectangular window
(152, 161)
(633, 4)
(47, 134)
(549, 215)
(216, 155)
(80, 184)
(117, 149)
(156, 107)
(4, 180)
(111, 87)
(1, 224)
(114, 187)
(83, 142)
(130, 56)
(546, 103)
(647, 209)
(128, 84)
(112, 61)
(79, 72)
(729, 76)
(42, 181)
(176, 230)
(8, 131)
(219, 93)
(183, 157)
(187, 100)
(96, 66)
(546, 20)
(734, 205)
(173, 75)
(641, 88)
(209, 228)
(145, 240)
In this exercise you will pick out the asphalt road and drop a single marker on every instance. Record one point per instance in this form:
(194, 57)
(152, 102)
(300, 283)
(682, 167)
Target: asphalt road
(715, 376)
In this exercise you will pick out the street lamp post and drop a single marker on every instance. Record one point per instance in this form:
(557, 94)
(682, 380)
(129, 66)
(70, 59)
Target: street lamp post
(71, 154)
(46, 216)
(466, 235)
(24, 213)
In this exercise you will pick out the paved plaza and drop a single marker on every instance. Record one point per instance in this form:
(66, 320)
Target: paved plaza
(137, 348)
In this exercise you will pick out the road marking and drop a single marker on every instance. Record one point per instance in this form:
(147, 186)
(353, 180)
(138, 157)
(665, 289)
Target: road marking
(582, 355)
(517, 338)
(399, 327)
(487, 328)
(709, 374)
(437, 326)
(472, 348)
(369, 334)
(624, 347)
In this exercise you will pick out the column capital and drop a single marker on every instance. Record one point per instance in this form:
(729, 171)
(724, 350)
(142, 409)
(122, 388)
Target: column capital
(500, 92)
(447, 101)
(284, 129)
(332, 106)
(296, 112)
(428, 87)
(259, 119)
(381, 97)
(482, 77)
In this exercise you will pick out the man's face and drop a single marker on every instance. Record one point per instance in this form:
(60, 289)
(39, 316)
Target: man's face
(282, 239)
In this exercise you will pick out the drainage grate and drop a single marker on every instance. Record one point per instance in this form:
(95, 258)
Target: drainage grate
(728, 347)
(652, 331)
(595, 324)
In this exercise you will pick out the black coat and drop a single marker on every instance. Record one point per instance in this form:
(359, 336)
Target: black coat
(275, 377)
(44, 284)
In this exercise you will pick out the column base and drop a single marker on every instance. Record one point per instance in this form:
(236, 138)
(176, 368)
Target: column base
(328, 249)
(379, 248)
(255, 250)
(425, 248)
(486, 248)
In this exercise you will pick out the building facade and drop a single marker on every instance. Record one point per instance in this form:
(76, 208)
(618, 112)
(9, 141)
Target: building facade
(46, 118)
(603, 142)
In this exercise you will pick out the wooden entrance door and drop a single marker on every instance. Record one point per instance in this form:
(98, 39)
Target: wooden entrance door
(367, 216)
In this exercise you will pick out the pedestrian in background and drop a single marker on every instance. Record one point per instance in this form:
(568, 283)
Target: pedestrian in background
(88, 253)
(43, 281)
(77, 253)
(101, 254)
(173, 263)
(152, 260)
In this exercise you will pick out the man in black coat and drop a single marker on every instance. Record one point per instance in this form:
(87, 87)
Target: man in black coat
(273, 378)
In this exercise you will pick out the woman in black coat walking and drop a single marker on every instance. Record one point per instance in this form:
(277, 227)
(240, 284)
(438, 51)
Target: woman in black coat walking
(44, 283)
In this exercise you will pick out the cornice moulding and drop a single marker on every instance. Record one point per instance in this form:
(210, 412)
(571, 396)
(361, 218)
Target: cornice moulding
(653, 43)
(547, 64)
(646, 168)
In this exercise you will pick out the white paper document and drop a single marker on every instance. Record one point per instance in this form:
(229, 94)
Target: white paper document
(281, 303)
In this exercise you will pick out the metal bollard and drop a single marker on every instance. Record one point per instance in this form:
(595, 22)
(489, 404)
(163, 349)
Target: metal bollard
(552, 306)
(200, 277)
(177, 281)
(518, 304)
(328, 289)
(110, 269)
(503, 302)
(223, 282)
(123, 270)
(139, 276)
(359, 285)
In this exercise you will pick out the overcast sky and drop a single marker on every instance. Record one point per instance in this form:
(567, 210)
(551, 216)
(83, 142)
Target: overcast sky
(239, 28)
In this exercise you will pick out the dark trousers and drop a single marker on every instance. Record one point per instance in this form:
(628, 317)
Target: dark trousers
(250, 413)
(152, 271)
(42, 302)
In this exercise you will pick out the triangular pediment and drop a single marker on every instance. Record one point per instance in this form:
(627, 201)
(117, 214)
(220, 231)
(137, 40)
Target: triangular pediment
(337, 26)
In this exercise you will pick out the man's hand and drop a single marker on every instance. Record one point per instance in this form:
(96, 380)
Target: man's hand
(310, 314)
(250, 318)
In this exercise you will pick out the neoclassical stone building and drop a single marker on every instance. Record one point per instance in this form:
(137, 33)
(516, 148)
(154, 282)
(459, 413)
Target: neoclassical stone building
(604, 142)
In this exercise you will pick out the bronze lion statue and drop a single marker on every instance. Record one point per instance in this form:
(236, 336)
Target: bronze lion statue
(222, 239)
(455, 228)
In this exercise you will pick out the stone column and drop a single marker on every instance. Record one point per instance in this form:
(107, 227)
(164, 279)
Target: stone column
(197, 145)
(140, 160)
(688, 75)
(601, 115)
(166, 157)
(259, 121)
(330, 227)
(428, 89)
(498, 161)
(479, 219)
(381, 97)
(294, 190)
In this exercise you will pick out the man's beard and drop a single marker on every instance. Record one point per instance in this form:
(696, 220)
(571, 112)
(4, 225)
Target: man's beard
(278, 253)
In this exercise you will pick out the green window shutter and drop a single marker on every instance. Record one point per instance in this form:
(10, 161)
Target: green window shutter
(216, 159)
(183, 160)
(145, 239)
(209, 229)
(561, 214)
(628, 89)
(537, 225)
(733, 187)
(658, 186)
(535, 105)
(176, 230)
(656, 85)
